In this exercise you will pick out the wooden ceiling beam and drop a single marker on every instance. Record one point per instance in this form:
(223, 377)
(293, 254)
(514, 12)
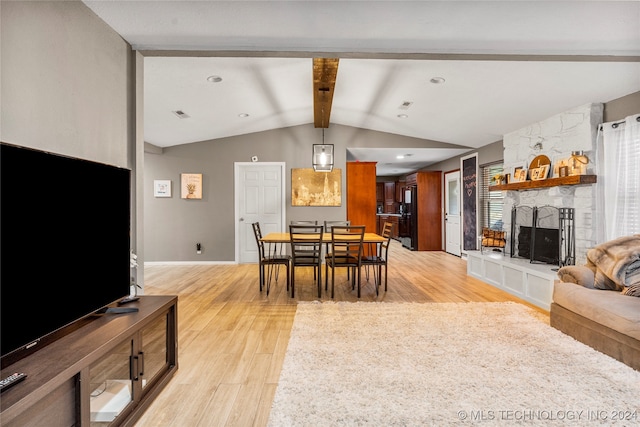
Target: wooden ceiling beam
(325, 71)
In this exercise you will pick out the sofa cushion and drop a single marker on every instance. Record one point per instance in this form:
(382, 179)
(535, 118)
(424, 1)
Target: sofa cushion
(578, 274)
(609, 308)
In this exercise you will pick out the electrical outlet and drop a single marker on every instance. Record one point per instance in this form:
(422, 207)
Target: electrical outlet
(198, 248)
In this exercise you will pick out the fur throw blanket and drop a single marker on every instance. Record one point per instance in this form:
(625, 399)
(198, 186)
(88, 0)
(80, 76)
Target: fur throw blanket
(616, 263)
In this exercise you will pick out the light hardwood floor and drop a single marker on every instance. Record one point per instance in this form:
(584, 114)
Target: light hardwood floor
(232, 338)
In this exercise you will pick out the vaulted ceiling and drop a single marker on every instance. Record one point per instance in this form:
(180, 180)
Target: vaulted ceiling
(459, 72)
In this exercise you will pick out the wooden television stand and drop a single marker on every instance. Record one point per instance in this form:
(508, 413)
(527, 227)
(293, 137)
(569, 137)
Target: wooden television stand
(105, 373)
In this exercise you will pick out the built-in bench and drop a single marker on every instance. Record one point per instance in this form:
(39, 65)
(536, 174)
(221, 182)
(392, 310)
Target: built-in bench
(530, 281)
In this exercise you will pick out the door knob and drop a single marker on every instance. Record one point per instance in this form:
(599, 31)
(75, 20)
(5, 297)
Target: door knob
(241, 219)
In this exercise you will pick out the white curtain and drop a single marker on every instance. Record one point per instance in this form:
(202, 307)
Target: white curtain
(619, 175)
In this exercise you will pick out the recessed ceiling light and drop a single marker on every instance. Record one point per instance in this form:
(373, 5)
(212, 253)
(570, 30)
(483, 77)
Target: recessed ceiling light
(214, 79)
(400, 156)
(243, 115)
(437, 80)
(402, 116)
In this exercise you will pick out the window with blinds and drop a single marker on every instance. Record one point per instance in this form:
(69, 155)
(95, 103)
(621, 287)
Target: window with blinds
(491, 202)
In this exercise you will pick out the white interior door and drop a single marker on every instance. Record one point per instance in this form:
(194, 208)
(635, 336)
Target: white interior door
(259, 197)
(452, 212)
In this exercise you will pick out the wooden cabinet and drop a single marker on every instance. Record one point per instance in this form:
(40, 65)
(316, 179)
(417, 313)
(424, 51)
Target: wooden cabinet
(380, 192)
(107, 372)
(390, 197)
(361, 194)
(428, 210)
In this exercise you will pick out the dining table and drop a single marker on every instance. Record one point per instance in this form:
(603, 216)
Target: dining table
(277, 237)
(278, 241)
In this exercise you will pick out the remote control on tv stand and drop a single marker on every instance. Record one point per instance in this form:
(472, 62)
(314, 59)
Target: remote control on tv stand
(12, 380)
(127, 300)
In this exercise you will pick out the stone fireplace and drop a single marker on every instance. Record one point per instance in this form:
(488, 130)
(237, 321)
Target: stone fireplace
(557, 137)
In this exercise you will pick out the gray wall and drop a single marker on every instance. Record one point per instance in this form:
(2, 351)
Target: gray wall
(66, 82)
(173, 225)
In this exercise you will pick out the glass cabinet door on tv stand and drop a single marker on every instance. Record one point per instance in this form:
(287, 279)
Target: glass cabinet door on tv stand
(121, 378)
(111, 384)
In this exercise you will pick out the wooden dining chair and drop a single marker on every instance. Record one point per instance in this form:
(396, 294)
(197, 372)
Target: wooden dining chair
(380, 258)
(327, 229)
(266, 259)
(346, 251)
(306, 222)
(306, 251)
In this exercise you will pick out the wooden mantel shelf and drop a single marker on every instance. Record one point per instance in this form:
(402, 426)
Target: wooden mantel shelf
(543, 183)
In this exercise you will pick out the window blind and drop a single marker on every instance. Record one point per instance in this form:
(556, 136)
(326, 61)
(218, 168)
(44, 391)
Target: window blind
(492, 202)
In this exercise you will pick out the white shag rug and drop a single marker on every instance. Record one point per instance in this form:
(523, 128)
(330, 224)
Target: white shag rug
(442, 364)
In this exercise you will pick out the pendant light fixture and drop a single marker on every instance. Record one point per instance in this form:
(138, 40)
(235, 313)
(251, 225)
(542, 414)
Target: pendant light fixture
(322, 156)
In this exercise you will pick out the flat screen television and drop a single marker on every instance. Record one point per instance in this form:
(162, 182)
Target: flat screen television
(65, 245)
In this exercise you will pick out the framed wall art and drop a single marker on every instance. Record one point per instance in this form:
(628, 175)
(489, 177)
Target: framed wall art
(311, 188)
(191, 185)
(162, 188)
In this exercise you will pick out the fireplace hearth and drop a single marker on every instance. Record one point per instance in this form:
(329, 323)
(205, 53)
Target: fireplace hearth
(543, 234)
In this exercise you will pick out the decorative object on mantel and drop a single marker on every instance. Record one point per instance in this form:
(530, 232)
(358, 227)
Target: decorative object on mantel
(539, 173)
(191, 185)
(539, 161)
(519, 174)
(578, 163)
(558, 163)
(499, 179)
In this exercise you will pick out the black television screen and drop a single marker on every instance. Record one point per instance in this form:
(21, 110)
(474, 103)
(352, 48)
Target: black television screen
(65, 245)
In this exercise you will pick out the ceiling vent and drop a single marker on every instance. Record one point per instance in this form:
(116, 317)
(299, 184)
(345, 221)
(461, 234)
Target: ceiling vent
(181, 114)
(405, 105)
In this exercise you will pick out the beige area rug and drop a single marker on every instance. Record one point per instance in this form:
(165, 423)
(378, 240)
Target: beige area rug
(442, 364)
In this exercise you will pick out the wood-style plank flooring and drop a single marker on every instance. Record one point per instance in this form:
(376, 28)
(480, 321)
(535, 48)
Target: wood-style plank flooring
(232, 338)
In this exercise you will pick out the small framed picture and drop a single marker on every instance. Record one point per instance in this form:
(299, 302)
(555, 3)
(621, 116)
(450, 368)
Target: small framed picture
(559, 162)
(563, 171)
(538, 174)
(520, 175)
(162, 188)
(535, 173)
(543, 172)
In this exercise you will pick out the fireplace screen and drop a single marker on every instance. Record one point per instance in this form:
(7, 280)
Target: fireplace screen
(543, 234)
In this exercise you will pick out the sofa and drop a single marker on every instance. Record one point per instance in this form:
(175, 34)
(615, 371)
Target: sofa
(598, 303)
